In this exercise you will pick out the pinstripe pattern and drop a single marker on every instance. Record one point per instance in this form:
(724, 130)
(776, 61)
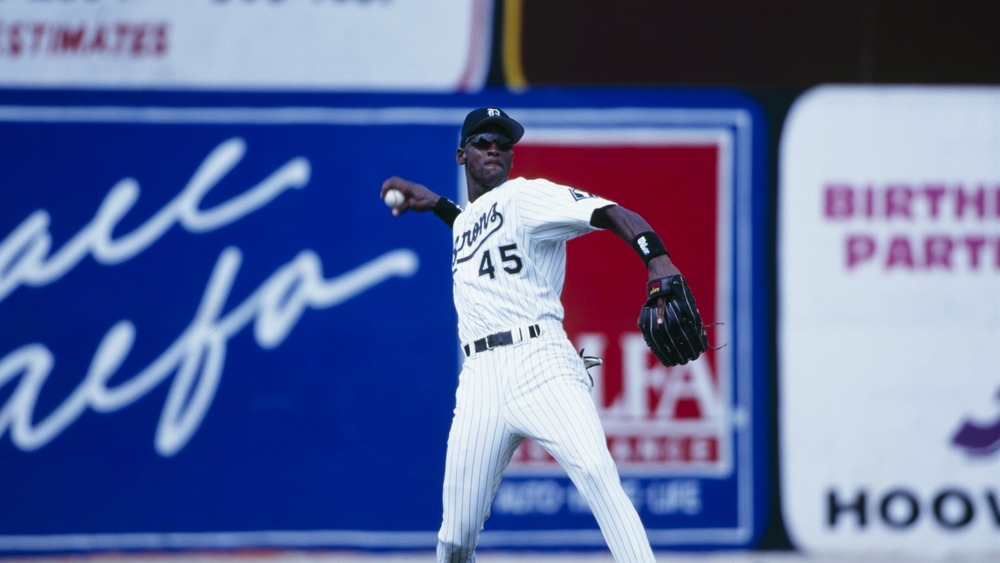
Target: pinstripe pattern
(533, 217)
(538, 388)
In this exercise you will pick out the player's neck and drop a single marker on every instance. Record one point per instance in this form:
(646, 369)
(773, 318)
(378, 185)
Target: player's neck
(475, 189)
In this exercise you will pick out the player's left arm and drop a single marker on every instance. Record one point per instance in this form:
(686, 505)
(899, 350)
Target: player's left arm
(629, 225)
(674, 332)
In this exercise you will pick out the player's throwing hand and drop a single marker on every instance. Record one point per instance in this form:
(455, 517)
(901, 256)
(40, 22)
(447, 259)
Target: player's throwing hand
(415, 196)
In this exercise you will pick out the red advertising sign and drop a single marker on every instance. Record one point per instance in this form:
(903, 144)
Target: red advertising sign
(656, 418)
(686, 439)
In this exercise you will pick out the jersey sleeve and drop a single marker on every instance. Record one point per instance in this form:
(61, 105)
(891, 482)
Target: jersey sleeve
(550, 211)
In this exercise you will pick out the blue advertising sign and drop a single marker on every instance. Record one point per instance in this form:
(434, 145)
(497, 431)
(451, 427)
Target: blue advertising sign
(214, 334)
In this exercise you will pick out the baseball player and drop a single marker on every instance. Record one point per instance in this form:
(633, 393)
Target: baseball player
(521, 377)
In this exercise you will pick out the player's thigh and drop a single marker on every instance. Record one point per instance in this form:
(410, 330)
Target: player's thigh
(479, 449)
(480, 441)
(562, 418)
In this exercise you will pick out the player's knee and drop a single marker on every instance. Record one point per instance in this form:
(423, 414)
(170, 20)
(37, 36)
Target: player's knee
(596, 474)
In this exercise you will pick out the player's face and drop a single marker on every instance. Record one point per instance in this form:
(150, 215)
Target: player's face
(487, 158)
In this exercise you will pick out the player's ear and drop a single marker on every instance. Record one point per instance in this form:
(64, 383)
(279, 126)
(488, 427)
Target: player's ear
(460, 156)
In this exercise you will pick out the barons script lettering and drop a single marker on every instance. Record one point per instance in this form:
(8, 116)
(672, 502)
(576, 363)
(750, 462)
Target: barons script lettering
(467, 243)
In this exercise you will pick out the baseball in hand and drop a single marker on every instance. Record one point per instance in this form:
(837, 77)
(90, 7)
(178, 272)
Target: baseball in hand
(394, 198)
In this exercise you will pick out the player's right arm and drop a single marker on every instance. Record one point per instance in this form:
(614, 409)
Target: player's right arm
(420, 198)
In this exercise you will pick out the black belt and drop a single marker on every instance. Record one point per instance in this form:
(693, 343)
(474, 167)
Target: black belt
(505, 338)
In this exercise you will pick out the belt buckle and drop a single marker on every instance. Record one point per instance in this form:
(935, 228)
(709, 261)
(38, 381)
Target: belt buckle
(491, 341)
(499, 339)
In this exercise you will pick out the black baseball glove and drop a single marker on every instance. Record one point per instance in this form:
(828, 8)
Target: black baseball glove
(681, 337)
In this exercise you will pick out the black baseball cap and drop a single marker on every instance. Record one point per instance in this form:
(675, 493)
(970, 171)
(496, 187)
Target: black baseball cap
(479, 119)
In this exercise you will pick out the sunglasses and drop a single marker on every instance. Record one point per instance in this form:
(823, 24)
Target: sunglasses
(485, 140)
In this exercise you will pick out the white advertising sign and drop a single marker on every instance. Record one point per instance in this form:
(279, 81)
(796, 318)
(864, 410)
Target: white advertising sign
(346, 45)
(889, 320)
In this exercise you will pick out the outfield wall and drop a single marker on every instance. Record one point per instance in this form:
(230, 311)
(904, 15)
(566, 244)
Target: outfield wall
(204, 307)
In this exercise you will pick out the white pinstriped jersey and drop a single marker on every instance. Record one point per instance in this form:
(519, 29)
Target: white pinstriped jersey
(509, 254)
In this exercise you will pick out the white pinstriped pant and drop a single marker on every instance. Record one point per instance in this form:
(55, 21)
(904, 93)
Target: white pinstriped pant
(538, 389)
